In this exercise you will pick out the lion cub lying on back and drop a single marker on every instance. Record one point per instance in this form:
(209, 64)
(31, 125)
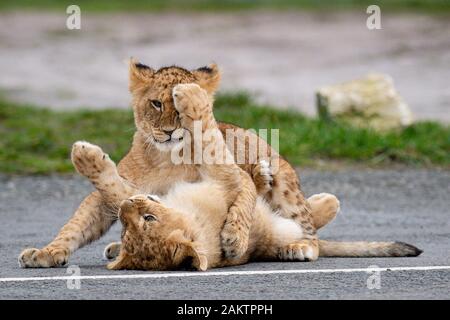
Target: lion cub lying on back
(183, 228)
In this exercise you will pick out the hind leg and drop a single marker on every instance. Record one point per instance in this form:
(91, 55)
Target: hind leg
(324, 208)
(297, 251)
(287, 198)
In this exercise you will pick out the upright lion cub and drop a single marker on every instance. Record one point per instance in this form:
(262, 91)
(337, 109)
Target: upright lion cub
(183, 228)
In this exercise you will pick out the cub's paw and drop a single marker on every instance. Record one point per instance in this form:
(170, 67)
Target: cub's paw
(301, 251)
(324, 208)
(192, 102)
(234, 241)
(263, 177)
(112, 250)
(90, 160)
(43, 258)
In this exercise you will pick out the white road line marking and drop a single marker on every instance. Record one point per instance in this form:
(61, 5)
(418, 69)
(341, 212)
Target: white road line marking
(156, 275)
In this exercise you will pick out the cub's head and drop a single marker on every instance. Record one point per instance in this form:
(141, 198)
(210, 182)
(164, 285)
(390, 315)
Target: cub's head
(155, 238)
(154, 112)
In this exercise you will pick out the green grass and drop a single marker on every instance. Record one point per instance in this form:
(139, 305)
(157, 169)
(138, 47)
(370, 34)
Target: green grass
(38, 141)
(218, 5)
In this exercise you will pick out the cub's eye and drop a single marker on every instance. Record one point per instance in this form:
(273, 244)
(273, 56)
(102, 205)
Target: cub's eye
(149, 217)
(156, 104)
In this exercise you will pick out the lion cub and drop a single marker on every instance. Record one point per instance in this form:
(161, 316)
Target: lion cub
(187, 222)
(183, 228)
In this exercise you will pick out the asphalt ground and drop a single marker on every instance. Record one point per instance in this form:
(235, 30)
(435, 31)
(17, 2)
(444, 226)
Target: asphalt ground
(401, 204)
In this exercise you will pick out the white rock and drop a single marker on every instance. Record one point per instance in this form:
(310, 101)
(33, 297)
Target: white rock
(371, 101)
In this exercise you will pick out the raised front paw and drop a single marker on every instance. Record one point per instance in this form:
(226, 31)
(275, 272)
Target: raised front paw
(234, 241)
(299, 251)
(43, 258)
(193, 104)
(90, 160)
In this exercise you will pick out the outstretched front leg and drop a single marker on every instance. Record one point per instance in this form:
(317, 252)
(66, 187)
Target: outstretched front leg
(91, 220)
(195, 109)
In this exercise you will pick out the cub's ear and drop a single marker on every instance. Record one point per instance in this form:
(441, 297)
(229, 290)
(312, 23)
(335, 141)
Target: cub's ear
(208, 77)
(188, 251)
(199, 260)
(140, 75)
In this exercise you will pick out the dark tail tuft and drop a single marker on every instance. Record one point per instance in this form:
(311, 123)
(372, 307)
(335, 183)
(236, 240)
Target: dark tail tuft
(402, 249)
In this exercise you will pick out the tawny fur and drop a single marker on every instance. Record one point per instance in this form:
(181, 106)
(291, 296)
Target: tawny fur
(191, 220)
(147, 168)
(182, 229)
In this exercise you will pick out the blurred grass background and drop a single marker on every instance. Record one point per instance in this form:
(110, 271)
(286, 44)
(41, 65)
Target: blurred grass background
(38, 140)
(220, 5)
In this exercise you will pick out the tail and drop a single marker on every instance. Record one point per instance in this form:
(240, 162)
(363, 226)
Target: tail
(367, 249)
